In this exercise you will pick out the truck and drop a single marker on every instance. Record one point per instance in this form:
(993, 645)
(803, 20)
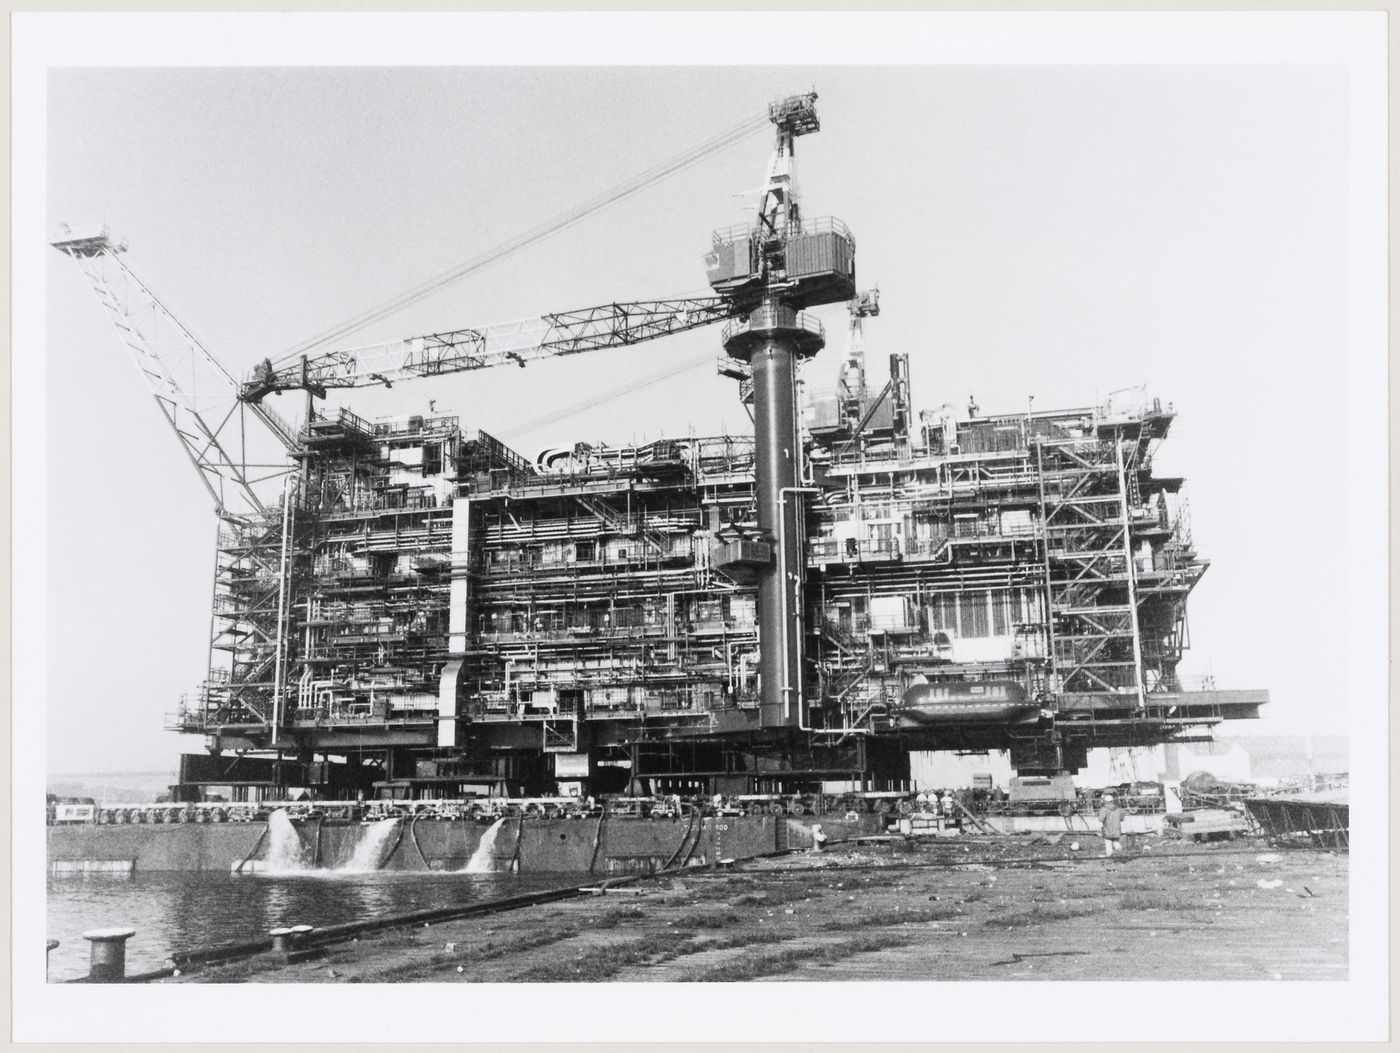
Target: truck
(1042, 795)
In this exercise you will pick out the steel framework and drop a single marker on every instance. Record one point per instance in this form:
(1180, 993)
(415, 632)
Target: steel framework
(195, 394)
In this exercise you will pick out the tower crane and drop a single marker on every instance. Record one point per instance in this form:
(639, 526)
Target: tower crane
(763, 274)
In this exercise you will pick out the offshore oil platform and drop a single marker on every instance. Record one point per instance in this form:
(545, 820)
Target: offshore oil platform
(409, 609)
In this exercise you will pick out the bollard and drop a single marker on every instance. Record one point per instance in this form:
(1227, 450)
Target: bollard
(47, 953)
(108, 963)
(281, 940)
(300, 935)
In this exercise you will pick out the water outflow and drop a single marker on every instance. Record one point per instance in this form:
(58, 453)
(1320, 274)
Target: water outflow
(483, 860)
(369, 853)
(284, 848)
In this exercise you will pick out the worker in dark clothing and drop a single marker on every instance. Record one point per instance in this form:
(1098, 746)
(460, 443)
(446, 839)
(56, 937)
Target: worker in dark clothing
(1111, 816)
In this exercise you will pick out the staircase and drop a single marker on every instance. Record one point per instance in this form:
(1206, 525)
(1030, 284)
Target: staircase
(843, 640)
(560, 735)
(843, 680)
(619, 524)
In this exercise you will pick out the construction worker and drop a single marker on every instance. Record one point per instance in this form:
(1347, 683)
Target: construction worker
(948, 807)
(1111, 816)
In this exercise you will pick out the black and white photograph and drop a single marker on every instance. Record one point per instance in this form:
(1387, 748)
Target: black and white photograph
(889, 505)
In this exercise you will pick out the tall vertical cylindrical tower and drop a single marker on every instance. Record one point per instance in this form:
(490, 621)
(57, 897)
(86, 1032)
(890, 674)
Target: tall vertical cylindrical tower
(772, 340)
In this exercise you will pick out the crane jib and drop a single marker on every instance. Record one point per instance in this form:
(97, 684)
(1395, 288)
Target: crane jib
(551, 335)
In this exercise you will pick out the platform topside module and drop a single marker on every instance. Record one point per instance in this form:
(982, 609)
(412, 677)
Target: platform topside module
(421, 610)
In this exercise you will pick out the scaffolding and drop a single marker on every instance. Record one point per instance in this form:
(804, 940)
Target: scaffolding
(430, 604)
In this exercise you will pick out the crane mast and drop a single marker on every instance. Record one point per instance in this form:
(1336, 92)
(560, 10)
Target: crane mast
(771, 270)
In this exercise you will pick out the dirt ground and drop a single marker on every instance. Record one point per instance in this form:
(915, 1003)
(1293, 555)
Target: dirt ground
(969, 908)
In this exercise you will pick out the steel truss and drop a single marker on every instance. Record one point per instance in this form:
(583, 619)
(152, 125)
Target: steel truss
(1117, 607)
(195, 394)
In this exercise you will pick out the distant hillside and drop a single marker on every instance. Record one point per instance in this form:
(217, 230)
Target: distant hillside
(113, 787)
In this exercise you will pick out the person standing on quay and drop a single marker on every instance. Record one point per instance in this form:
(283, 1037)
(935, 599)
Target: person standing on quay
(1111, 816)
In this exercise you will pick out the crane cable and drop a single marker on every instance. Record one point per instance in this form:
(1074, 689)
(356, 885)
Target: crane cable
(560, 222)
(554, 416)
(565, 412)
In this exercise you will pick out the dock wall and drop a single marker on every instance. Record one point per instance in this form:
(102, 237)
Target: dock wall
(603, 847)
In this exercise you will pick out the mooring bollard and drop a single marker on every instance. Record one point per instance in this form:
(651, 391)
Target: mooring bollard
(290, 938)
(47, 953)
(108, 963)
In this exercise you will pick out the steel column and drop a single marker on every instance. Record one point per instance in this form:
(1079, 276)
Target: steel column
(772, 340)
(776, 470)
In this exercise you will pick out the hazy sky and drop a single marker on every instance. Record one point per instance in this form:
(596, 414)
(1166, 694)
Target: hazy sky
(1056, 232)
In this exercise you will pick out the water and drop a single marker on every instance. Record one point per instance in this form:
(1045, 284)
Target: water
(374, 839)
(288, 853)
(180, 911)
(285, 852)
(483, 860)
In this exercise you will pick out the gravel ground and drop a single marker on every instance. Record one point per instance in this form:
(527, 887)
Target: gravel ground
(970, 908)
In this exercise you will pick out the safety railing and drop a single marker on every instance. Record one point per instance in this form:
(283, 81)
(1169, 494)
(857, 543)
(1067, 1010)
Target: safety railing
(806, 322)
(850, 550)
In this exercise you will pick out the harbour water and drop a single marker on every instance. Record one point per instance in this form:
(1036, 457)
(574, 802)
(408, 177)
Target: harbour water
(178, 911)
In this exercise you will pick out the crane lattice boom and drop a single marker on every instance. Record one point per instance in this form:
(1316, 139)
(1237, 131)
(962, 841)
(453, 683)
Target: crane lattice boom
(195, 394)
(551, 335)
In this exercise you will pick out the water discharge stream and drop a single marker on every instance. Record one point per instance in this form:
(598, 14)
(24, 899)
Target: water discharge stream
(285, 851)
(369, 852)
(483, 860)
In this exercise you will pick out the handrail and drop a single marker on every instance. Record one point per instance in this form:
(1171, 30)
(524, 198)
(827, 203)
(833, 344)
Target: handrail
(806, 322)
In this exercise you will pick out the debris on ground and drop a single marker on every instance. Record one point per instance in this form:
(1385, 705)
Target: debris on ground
(1022, 911)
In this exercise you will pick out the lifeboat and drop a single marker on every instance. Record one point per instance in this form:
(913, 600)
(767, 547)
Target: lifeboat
(985, 702)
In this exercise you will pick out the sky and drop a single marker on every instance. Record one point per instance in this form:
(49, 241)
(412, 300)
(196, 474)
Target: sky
(1055, 232)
